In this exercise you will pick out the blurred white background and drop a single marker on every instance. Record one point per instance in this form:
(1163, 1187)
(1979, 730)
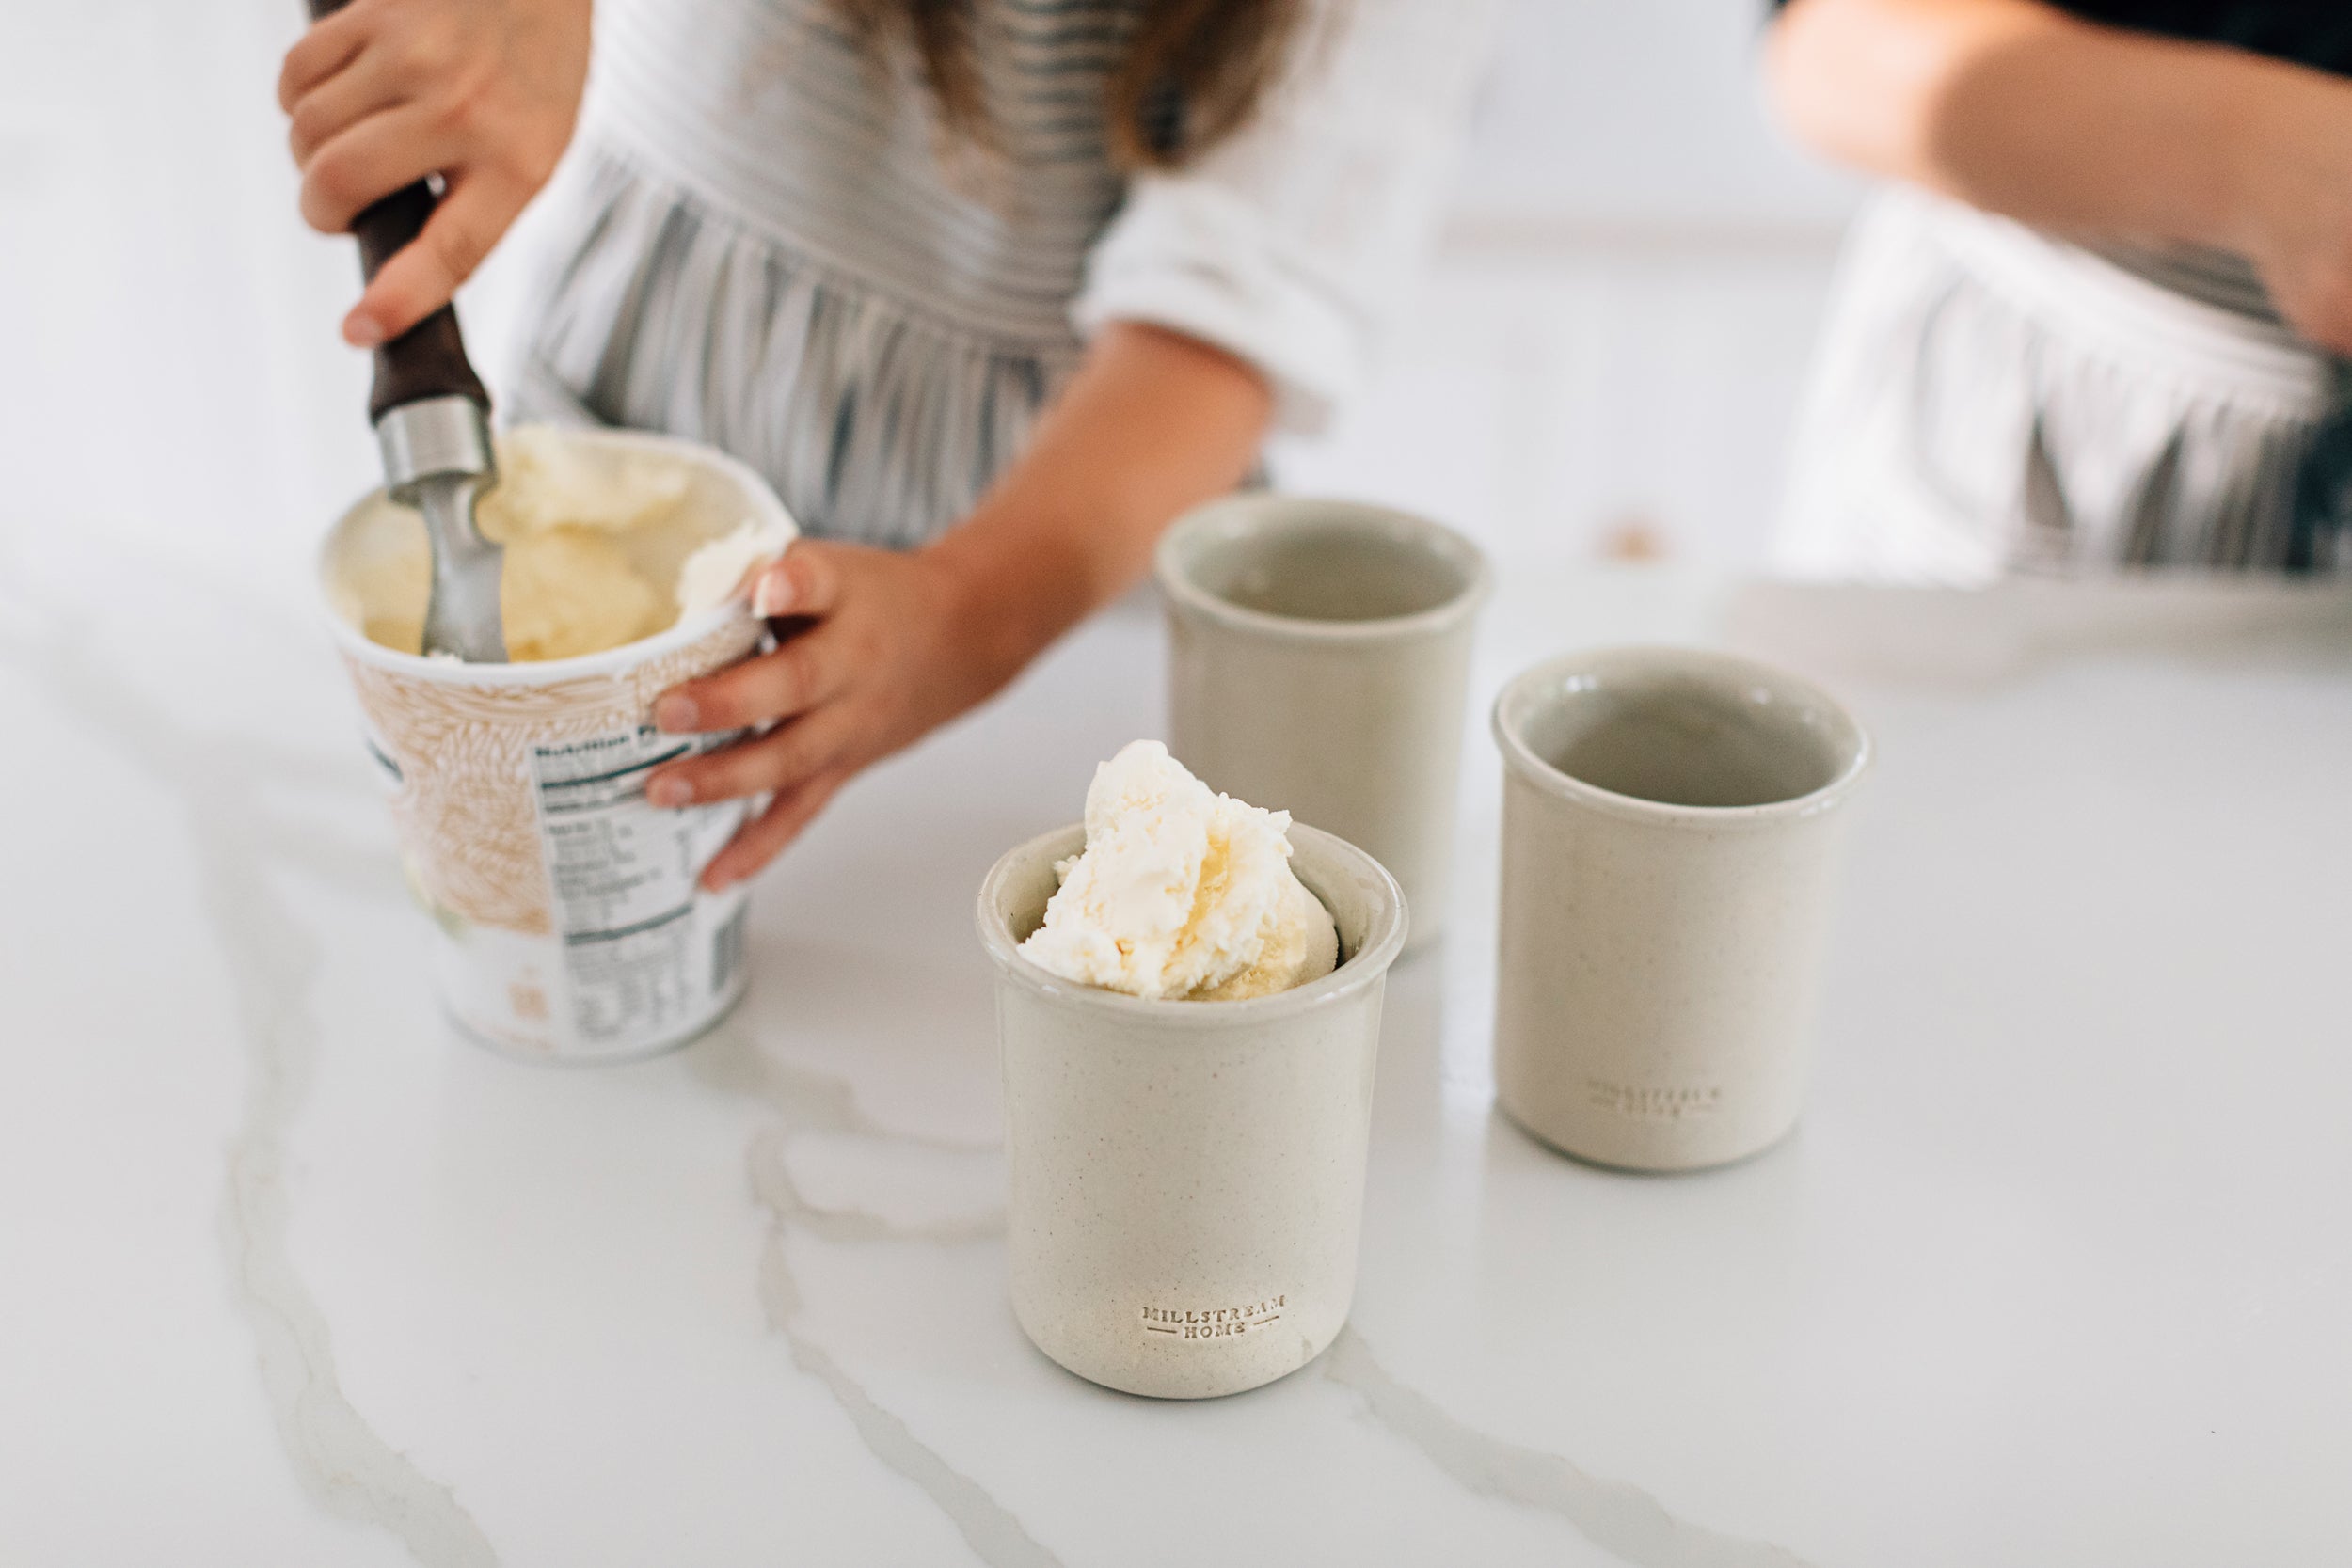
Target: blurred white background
(1609, 343)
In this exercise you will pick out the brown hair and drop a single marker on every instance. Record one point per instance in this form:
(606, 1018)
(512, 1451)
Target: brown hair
(1193, 72)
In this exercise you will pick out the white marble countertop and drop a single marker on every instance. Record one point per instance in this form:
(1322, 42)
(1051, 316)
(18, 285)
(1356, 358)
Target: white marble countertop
(2053, 1272)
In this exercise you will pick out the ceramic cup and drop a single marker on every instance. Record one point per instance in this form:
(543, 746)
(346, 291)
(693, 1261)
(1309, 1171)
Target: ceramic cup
(1671, 821)
(1186, 1179)
(1320, 664)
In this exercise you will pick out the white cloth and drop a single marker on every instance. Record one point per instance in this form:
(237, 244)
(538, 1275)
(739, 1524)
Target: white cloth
(765, 241)
(1289, 243)
(1988, 399)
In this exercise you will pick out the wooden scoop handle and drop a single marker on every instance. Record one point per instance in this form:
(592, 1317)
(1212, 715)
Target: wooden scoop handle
(429, 359)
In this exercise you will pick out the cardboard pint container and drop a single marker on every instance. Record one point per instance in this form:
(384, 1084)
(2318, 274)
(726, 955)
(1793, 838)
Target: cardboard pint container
(569, 924)
(1186, 1179)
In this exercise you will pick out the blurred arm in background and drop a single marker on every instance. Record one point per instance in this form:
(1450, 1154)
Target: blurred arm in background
(2019, 108)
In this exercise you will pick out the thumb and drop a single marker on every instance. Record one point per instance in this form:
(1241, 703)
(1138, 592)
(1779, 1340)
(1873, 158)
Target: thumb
(807, 582)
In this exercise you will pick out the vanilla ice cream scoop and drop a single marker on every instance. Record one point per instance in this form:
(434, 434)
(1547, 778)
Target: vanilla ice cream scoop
(571, 591)
(604, 545)
(1181, 893)
(547, 479)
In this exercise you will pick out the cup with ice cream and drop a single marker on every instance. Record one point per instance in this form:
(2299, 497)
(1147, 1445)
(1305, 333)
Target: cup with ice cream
(1188, 1002)
(570, 923)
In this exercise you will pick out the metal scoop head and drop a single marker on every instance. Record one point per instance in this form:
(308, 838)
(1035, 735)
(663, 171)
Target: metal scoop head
(437, 458)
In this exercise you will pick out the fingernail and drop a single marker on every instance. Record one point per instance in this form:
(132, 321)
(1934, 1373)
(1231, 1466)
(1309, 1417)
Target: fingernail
(774, 596)
(362, 332)
(669, 791)
(675, 714)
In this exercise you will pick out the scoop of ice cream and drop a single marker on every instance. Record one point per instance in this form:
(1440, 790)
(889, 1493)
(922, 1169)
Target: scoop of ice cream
(596, 536)
(568, 592)
(563, 592)
(550, 479)
(1300, 945)
(1181, 893)
(714, 572)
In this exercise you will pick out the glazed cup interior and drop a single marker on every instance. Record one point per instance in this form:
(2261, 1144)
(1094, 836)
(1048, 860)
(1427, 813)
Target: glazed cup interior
(1679, 728)
(1330, 563)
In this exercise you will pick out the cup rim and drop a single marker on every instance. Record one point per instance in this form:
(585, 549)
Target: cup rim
(684, 633)
(1261, 508)
(1363, 968)
(1511, 709)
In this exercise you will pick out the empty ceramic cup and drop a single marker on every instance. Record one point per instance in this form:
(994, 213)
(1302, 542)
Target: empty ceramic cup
(1319, 664)
(1186, 1179)
(1670, 846)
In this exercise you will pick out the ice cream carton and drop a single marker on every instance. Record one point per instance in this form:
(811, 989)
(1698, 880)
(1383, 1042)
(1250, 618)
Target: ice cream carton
(567, 921)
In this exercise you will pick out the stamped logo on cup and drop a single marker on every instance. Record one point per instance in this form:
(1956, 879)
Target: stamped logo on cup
(1214, 1322)
(1651, 1102)
(1671, 823)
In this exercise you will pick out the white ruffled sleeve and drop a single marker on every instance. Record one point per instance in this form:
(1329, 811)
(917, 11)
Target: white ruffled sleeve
(1289, 243)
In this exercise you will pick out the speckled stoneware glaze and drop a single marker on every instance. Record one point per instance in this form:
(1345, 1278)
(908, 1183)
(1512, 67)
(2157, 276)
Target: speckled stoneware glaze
(1186, 1179)
(1319, 664)
(1671, 822)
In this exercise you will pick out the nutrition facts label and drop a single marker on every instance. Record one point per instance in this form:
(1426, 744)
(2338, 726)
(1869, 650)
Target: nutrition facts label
(644, 952)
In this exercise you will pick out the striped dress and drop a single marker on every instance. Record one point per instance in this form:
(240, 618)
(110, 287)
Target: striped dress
(1990, 397)
(762, 239)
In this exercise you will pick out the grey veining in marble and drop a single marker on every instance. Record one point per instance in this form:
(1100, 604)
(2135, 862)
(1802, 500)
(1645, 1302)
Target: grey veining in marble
(1571, 1366)
(271, 958)
(294, 1276)
(1622, 1519)
(752, 1296)
(806, 1101)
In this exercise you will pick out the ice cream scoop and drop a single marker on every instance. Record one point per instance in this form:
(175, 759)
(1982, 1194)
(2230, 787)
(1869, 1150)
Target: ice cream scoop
(1181, 893)
(437, 459)
(432, 420)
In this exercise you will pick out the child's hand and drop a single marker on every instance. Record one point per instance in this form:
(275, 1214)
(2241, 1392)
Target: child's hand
(384, 92)
(880, 646)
